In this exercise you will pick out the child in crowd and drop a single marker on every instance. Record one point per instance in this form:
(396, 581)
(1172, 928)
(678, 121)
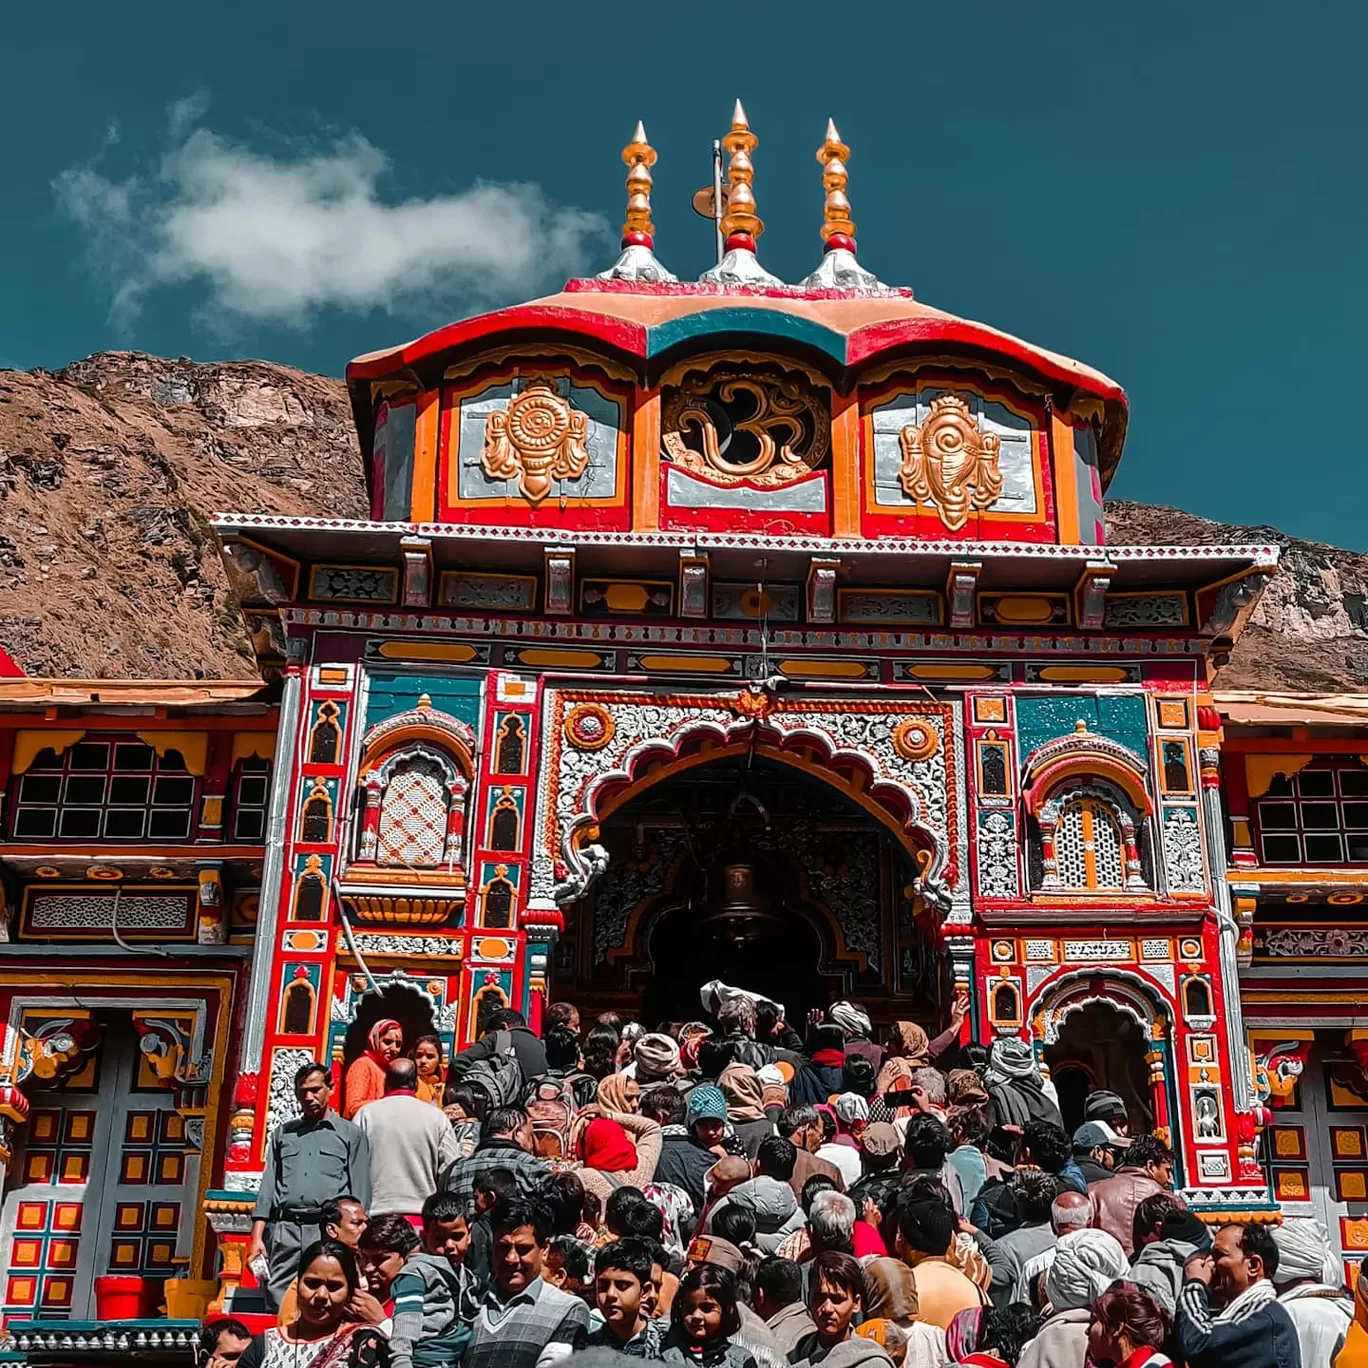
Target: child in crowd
(703, 1319)
(835, 1296)
(426, 1292)
(567, 1266)
(624, 1292)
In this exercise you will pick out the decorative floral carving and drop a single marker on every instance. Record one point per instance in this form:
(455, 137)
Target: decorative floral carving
(913, 739)
(589, 727)
(763, 430)
(1302, 942)
(1183, 851)
(536, 440)
(997, 861)
(948, 463)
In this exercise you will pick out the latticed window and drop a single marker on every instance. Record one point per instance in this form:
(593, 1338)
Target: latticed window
(106, 788)
(1088, 846)
(413, 816)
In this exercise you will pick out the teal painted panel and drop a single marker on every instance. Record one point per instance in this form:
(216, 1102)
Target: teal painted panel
(766, 322)
(1119, 717)
(397, 691)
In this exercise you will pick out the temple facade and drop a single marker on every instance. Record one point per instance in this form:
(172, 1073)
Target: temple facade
(716, 629)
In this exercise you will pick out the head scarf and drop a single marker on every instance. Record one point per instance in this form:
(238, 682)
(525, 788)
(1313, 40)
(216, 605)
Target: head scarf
(706, 1103)
(963, 1087)
(895, 1076)
(1304, 1252)
(612, 1092)
(743, 1092)
(373, 1039)
(657, 1058)
(605, 1146)
(1086, 1263)
(890, 1291)
(1011, 1058)
(912, 1043)
(851, 1107)
(850, 1018)
(961, 1335)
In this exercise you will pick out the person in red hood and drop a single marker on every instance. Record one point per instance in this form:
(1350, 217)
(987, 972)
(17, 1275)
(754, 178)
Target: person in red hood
(624, 1145)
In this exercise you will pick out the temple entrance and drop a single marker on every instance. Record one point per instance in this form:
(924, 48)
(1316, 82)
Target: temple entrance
(757, 872)
(1101, 1047)
(405, 1005)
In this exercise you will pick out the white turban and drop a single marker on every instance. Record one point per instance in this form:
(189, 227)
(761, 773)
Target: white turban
(1304, 1252)
(852, 1107)
(1086, 1263)
(715, 994)
(850, 1018)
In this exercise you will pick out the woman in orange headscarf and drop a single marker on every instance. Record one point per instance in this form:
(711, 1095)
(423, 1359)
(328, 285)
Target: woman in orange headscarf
(365, 1079)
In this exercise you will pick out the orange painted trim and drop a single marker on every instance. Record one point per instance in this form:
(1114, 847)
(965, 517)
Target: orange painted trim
(1065, 479)
(845, 464)
(423, 496)
(645, 462)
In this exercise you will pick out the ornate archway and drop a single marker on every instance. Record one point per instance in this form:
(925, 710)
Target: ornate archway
(896, 760)
(1091, 996)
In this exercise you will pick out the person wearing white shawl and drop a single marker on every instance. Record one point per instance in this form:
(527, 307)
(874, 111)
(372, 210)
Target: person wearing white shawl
(1086, 1263)
(1308, 1278)
(1017, 1092)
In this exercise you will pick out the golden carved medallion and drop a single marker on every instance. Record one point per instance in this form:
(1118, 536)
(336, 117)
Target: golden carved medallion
(536, 440)
(949, 463)
(731, 429)
(915, 740)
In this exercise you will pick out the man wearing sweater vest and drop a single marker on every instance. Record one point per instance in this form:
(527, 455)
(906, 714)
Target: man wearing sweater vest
(1228, 1311)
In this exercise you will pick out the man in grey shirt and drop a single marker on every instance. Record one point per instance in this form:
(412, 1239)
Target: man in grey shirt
(314, 1159)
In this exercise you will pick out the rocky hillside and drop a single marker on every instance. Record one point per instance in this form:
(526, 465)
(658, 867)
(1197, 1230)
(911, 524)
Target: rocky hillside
(110, 468)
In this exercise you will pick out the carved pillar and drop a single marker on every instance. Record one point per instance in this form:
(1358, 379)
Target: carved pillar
(1155, 1057)
(212, 926)
(455, 828)
(1241, 1080)
(373, 787)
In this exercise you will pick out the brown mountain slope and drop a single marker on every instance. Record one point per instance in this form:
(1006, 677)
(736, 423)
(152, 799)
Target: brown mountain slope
(108, 472)
(110, 468)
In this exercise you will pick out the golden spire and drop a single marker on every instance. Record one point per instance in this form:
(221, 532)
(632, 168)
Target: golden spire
(639, 156)
(838, 229)
(740, 219)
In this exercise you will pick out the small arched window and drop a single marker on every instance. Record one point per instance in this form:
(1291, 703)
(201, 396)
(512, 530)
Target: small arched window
(503, 824)
(1089, 849)
(1197, 998)
(489, 1001)
(308, 904)
(316, 825)
(326, 741)
(1006, 1005)
(496, 907)
(508, 755)
(296, 1017)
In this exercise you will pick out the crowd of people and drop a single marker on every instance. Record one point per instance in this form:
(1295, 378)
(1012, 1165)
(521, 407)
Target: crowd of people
(724, 1193)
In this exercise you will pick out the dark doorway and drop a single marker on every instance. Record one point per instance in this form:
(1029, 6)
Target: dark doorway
(406, 1005)
(779, 961)
(1100, 1046)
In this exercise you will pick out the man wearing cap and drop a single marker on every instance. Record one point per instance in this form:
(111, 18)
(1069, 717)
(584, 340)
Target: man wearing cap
(687, 1152)
(1094, 1150)
(1101, 1105)
(881, 1155)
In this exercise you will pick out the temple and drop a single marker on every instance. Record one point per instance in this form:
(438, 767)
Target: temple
(727, 628)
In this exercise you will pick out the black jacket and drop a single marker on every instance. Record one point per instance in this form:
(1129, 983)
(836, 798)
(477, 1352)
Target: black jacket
(530, 1052)
(684, 1162)
(1264, 1339)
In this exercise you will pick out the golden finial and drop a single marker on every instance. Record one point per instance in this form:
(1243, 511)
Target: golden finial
(838, 230)
(740, 220)
(639, 156)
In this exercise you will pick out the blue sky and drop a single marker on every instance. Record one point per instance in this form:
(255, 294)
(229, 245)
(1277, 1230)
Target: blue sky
(1174, 193)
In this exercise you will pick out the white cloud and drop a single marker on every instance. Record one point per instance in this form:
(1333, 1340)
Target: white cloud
(275, 239)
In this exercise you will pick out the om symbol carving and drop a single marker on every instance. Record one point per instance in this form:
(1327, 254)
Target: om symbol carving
(949, 463)
(536, 440)
(765, 430)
